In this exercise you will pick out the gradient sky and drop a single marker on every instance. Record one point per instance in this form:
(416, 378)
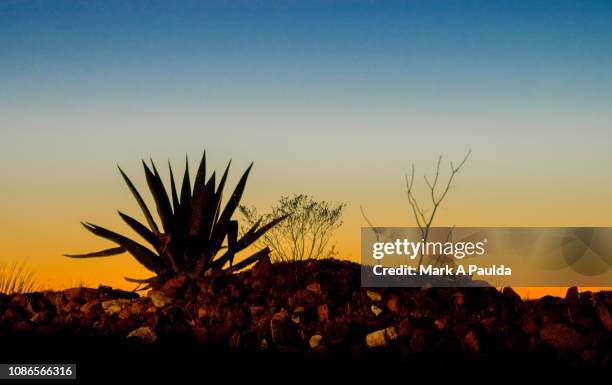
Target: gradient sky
(333, 99)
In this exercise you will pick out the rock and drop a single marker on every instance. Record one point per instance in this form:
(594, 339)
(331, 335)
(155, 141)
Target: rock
(376, 310)
(381, 337)
(512, 300)
(91, 308)
(159, 298)
(111, 307)
(572, 296)
(202, 312)
(405, 328)
(315, 341)
(509, 293)
(418, 341)
(440, 323)
(54, 298)
(376, 339)
(234, 341)
(373, 296)
(38, 317)
(314, 287)
(280, 329)
(107, 292)
(201, 334)
(124, 314)
(534, 343)
(588, 356)
(391, 333)
(393, 304)
(472, 342)
(22, 326)
(81, 294)
(256, 311)
(23, 302)
(529, 325)
(281, 315)
(172, 287)
(323, 312)
(490, 323)
(145, 333)
(560, 336)
(71, 306)
(303, 298)
(137, 307)
(264, 344)
(263, 269)
(603, 312)
(299, 310)
(458, 299)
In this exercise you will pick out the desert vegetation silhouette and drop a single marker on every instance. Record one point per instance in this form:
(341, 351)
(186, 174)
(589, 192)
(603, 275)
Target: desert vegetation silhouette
(437, 190)
(307, 231)
(195, 234)
(17, 278)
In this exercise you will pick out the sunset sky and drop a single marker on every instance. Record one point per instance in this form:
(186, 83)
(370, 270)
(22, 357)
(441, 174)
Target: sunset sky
(332, 99)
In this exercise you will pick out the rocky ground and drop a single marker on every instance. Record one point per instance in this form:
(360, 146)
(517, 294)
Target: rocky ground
(317, 311)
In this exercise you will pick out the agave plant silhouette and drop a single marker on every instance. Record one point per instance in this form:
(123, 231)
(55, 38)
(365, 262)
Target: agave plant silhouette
(194, 228)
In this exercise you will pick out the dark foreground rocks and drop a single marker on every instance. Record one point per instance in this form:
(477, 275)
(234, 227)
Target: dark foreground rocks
(317, 311)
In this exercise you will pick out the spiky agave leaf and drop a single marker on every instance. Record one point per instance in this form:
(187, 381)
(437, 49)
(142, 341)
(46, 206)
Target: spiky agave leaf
(137, 280)
(141, 202)
(186, 189)
(250, 260)
(255, 233)
(220, 228)
(142, 254)
(175, 199)
(140, 229)
(162, 202)
(202, 207)
(232, 240)
(252, 235)
(99, 254)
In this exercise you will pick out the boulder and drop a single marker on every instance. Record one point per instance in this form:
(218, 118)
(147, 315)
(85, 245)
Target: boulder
(145, 333)
(381, 337)
(81, 294)
(376, 310)
(263, 269)
(472, 342)
(572, 296)
(374, 296)
(91, 308)
(560, 336)
(603, 312)
(315, 341)
(418, 340)
(159, 298)
(281, 330)
(323, 312)
(314, 287)
(113, 306)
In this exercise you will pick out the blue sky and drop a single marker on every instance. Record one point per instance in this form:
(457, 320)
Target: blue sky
(299, 54)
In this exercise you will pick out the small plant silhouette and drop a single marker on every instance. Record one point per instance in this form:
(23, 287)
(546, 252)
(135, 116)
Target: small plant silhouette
(17, 278)
(307, 231)
(424, 217)
(194, 227)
